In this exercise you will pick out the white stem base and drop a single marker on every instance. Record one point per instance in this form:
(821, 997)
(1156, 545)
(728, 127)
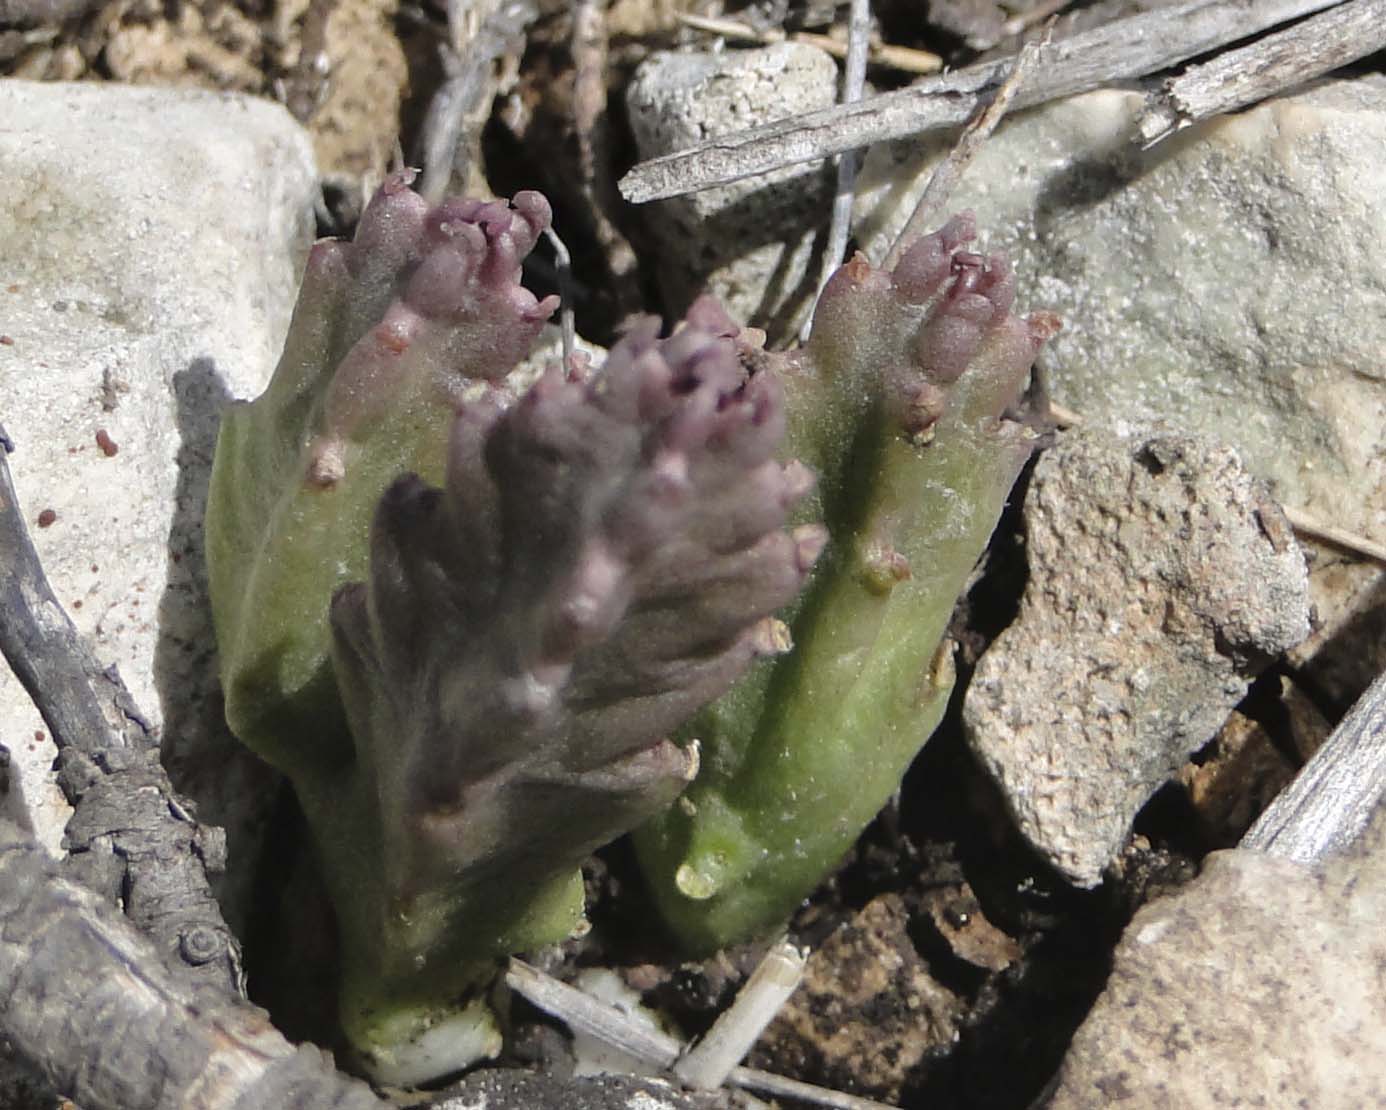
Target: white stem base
(411, 1048)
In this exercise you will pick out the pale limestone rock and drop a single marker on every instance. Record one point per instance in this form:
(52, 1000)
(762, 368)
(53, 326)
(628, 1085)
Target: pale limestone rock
(1162, 578)
(1258, 984)
(150, 243)
(750, 243)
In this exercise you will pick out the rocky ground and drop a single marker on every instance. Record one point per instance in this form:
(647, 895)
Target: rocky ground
(1149, 654)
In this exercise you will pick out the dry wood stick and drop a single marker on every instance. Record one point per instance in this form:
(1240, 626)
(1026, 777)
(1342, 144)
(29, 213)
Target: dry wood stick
(1126, 48)
(1307, 525)
(1277, 62)
(708, 1063)
(902, 58)
(479, 32)
(580, 1011)
(1330, 801)
(130, 835)
(88, 1000)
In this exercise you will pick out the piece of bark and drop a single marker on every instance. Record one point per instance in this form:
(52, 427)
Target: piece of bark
(90, 1002)
(131, 838)
(1277, 62)
(1126, 48)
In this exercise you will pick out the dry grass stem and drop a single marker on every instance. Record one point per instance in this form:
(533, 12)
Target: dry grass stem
(949, 172)
(901, 58)
(1335, 794)
(709, 1062)
(580, 1011)
(853, 82)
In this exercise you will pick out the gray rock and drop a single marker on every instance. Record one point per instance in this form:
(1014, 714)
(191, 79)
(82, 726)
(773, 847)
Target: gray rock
(151, 241)
(1258, 984)
(751, 243)
(1229, 281)
(1162, 579)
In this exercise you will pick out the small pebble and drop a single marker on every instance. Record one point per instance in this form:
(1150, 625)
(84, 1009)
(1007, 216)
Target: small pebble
(47, 517)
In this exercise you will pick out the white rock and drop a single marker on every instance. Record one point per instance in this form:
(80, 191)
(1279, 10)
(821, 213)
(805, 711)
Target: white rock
(150, 243)
(1229, 282)
(751, 243)
(1258, 984)
(1162, 579)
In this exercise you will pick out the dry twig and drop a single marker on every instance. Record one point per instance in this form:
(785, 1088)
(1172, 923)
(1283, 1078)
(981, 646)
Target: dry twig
(132, 839)
(90, 1002)
(1334, 795)
(1277, 62)
(1124, 49)
(1315, 529)
(479, 32)
(901, 58)
(660, 1051)
(853, 81)
(708, 1063)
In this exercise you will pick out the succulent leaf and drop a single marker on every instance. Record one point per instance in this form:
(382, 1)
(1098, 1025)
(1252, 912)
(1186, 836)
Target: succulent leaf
(899, 401)
(466, 624)
(470, 626)
(596, 567)
(388, 332)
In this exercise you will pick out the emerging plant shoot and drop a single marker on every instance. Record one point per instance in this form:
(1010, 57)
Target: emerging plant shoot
(526, 596)
(900, 403)
(468, 621)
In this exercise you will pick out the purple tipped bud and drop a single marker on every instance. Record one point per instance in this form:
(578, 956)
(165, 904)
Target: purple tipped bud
(923, 268)
(708, 315)
(596, 597)
(391, 229)
(534, 216)
(495, 219)
(998, 284)
(951, 337)
(439, 287)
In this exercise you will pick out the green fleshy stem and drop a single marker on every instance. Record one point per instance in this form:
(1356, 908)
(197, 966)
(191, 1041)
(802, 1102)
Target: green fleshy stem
(802, 754)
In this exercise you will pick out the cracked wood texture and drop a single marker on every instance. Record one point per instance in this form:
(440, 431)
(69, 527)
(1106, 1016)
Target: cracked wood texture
(130, 838)
(88, 1000)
